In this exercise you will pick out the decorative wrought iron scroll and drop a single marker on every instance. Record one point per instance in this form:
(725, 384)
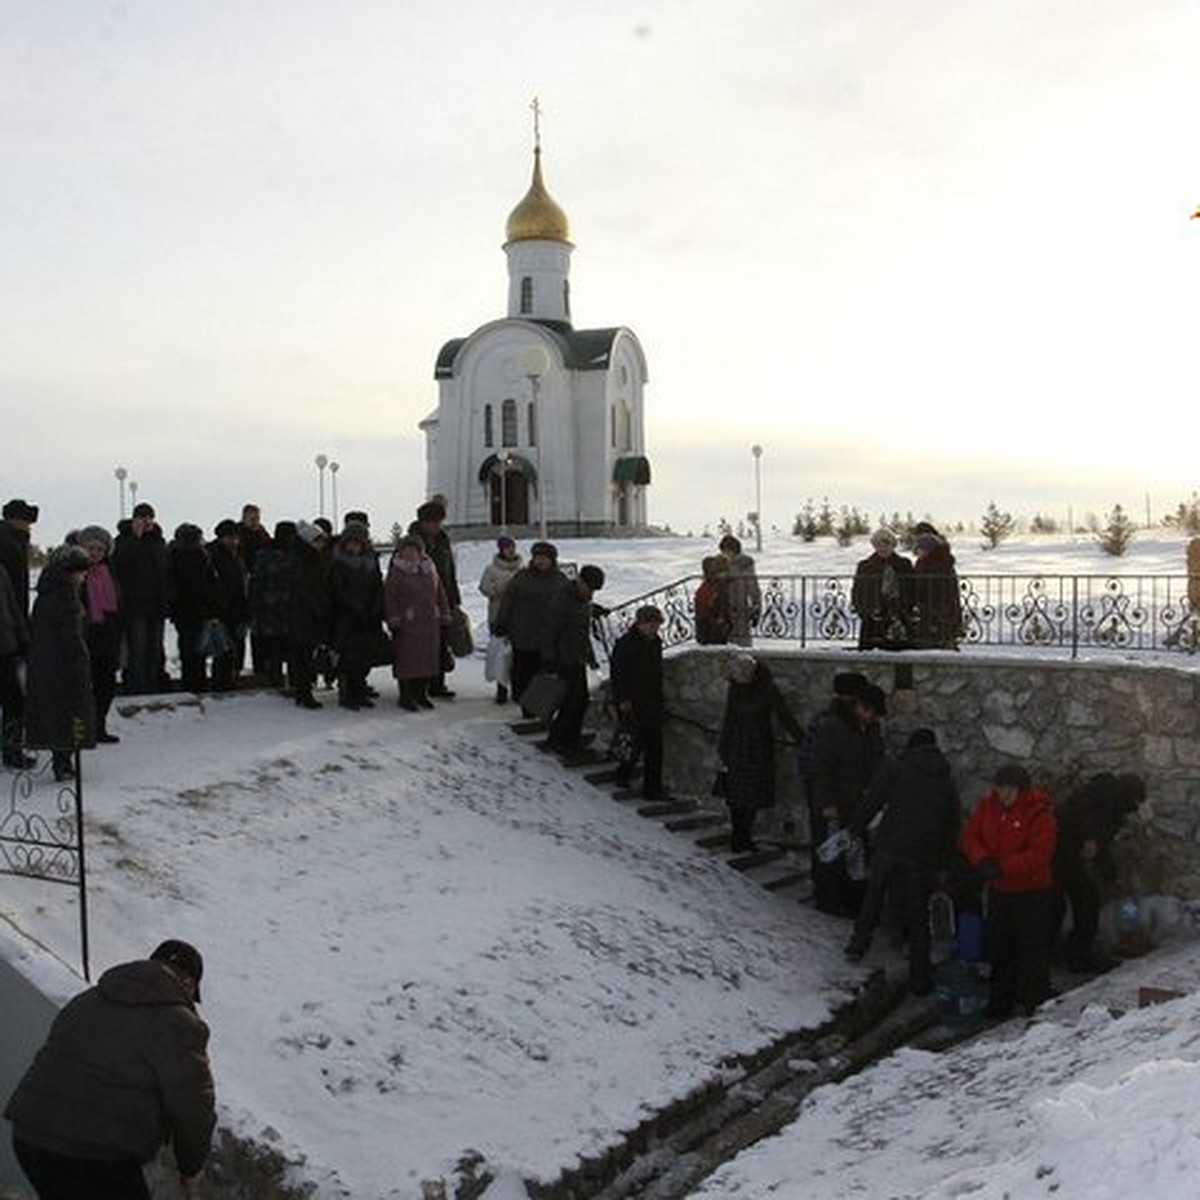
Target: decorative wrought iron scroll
(41, 834)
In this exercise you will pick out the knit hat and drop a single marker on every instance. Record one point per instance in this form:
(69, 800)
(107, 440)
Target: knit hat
(648, 613)
(411, 542)
(544, 550)
(849, 683)
(1010, 775)
(431, 510)
(921, 737)
(188, 534)
(144, 509)
(309, 533)
(94, 535)
(184, 957)
(505, 543)
(592, 576)
(226, 528)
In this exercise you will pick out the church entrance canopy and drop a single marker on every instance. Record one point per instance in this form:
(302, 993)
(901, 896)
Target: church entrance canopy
(496, 464)
(632, 469)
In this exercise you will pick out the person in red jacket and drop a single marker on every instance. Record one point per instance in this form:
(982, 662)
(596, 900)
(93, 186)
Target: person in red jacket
(1009, 840)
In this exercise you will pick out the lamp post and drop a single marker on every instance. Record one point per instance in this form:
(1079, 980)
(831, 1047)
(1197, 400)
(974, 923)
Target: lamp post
(756, 450)
(132, 494)
(504, 491)
(333, 470)
(534, 363)
(322, 463)
(121, 475)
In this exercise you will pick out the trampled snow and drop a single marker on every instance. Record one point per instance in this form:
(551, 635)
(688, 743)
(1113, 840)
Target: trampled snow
(424, 938)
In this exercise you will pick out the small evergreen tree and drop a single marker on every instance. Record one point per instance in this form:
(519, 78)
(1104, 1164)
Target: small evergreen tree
(806, 522)
(1116, 535)
(1186, 518)
(995, 526)
(1041, 524)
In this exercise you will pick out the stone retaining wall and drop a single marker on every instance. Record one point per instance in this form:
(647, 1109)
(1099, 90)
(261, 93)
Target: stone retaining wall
(1060, 720)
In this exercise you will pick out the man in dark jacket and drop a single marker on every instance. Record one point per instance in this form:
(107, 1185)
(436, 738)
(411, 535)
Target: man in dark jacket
(428, 527)
(124, 1069)
(911, 848)
(224, 552)
(18, 517)
(525, 610)
(139, 562)
(637, 691)
(847, 750)
(1088, 821)
(567, 649)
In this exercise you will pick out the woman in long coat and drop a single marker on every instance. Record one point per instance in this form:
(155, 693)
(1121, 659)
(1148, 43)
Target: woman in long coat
(496, 577)
(102, 629)
(753, 704)
(415, 608)
(60, 712)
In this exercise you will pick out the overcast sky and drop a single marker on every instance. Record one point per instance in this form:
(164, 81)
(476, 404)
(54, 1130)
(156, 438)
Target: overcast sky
(926, 252)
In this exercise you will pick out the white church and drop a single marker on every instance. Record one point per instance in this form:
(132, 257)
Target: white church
(539, 426)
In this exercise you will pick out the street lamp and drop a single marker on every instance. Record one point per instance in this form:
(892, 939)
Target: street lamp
(504, 491)
(756, 450)
(322, 463)
(133, 494)
(333, 470)
(121, 475)
(534, 364)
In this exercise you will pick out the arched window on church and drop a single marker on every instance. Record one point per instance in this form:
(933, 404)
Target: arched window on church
(567, 298)
(622, 427)
(526, 294)
(508, 423)
(531, 422)
(489, 432)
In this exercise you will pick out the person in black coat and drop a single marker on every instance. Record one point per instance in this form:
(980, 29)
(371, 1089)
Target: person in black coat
(310, 612)
(525, 610)
(636, 684)
(61, 712)
(139, 561)
(193, 601)
(123, 1070)
(847, 750)
(911, 849)
(224, 552)
(18, 517)
(356, 592)
(882, 595)
(567, 649)
(753, 703)
(937, 604)
(102, 625)
(1088, 821)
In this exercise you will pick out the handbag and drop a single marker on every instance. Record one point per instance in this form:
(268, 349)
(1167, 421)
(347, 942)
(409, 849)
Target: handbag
(458, 635)
(497, 666)
(626, 745)
(544, 695)
(381, 651)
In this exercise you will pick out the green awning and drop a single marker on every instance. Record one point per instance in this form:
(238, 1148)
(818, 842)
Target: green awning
(493, 465)
(632, 468)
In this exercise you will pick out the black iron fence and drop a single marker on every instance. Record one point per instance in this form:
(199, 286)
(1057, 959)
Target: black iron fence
(1070, 614)
(41, 834)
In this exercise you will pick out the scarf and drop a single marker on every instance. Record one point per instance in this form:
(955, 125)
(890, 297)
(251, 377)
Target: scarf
(101, 593)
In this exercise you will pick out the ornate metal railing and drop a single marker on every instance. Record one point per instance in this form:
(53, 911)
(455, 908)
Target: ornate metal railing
(41, 835)
(1066, 613)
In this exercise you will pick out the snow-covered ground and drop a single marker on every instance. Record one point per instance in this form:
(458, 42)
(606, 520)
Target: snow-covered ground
(423, 937)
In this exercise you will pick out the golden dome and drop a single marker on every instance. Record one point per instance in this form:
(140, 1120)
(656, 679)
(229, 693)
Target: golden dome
(537, 217)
